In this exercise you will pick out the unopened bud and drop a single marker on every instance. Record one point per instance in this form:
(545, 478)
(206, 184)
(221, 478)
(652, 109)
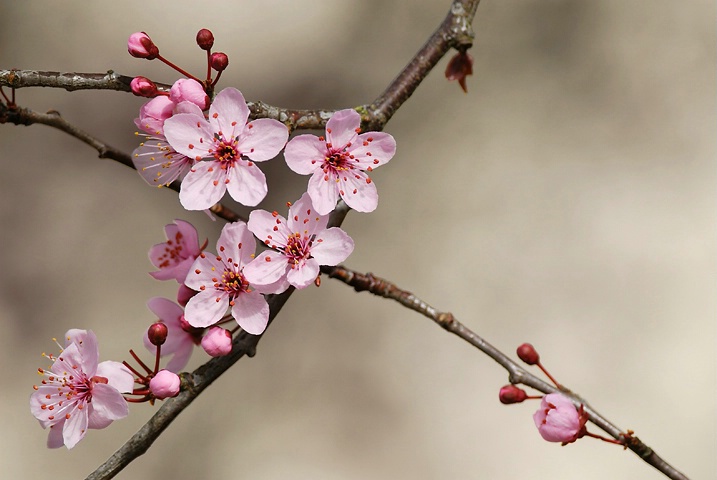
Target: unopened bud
(219, 61)
(157, 333)
(217, 342)
(189, 90)
(527, 353)
(143, 87)
(511, 394)
(165, 384)
(205, 39)
(460, 66)
(140, 45)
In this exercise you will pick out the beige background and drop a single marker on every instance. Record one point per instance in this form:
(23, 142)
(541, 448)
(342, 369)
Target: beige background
(568, 200)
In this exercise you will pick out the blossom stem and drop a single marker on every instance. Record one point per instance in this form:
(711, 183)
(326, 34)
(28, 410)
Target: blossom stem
(209, 69)
(171, 65)
(156, 358)
(141, 363)
(604, 439)
(540, 366)
(132, 369)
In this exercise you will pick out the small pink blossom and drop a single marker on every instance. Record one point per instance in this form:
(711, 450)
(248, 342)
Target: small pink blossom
(189, 90)
(300, 245)
(78, 393)
(174, 257)
(181, 337)
(143, 87)
(558, 420)
(231, 145)
(141, 46)
(164, 384)
(217, 342)
(221, 284)
(338, 163)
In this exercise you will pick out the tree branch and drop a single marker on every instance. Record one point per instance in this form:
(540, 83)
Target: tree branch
(516, 373)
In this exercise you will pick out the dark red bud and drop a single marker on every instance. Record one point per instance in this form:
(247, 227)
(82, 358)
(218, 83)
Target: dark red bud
(219, 61)
(459, 67)
(157, 333)
(205, 39)
(511, 394)
(527, 353)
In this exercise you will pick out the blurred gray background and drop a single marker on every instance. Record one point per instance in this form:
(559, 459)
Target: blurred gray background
(568, 200)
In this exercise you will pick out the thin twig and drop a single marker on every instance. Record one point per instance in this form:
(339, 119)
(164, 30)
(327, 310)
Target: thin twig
(517, 374)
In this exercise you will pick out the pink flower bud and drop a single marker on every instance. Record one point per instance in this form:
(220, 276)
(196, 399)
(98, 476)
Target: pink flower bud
(219, 61)
(528, 354)
(141, 46)
(165, 384)
(143, 87)
(205, 39)
(511, 394)
(558, 420)
(188, 90)
(157, 333)
(460, 66)
(153, 114)
(217, 342)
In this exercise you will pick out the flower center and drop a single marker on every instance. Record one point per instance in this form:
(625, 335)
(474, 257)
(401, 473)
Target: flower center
(233, 283)
(297, 248)
(337, 161)
(226, 152)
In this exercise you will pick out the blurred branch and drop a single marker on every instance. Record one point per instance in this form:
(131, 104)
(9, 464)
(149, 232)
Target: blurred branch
(25, 116)
(516, 374)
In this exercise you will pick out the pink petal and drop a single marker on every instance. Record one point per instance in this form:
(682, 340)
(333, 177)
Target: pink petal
(236, 244)
(332, 247)
(118, 376)
(87, 348)
(158, 164)
(228, 107)
(305, 153)
(189, 134)
(359, 193)
(206, 308)
(381, 147)
(251, 312)
(181, 356)
(263, 272)
(190, 237)
(303, 217)
(341, 128)
(263, 139)
(203, 186)
(262, 224)
(202, 272)
(304, 274)
(323, 192)
(108, 404)
(54, 438)
(247, 184)
(75, 427)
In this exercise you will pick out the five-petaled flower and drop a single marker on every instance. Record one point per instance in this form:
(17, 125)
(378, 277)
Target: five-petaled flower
(339, 162)
(78, 393)
(558, 420)
(221, 284)
(300, 245)
(231, 145)
(174, 257)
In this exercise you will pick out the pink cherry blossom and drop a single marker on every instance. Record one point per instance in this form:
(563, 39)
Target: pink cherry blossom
(181, 337)
(300, 245)
(221, 284)
(231, 145)
(189, 90)
(338, 163)
(164, 384)
(558, 420)
(217, 342)
(174, 257)
(78, 393)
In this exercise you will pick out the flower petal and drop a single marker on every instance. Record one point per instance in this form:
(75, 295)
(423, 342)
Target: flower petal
(236, 245)
(304, 273)
(189, 134)
(228, 113)
(341, 128)
(359, 191)
(158, 164)
(332, 247)
(251, 312)
(305, 153)
(323, 192)
(303, 217)
(206, 308)
(373, 149)
(118, 376)
(203, 186)
(267, 268)
(247, 183)
(263, 139)
(75, 427)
